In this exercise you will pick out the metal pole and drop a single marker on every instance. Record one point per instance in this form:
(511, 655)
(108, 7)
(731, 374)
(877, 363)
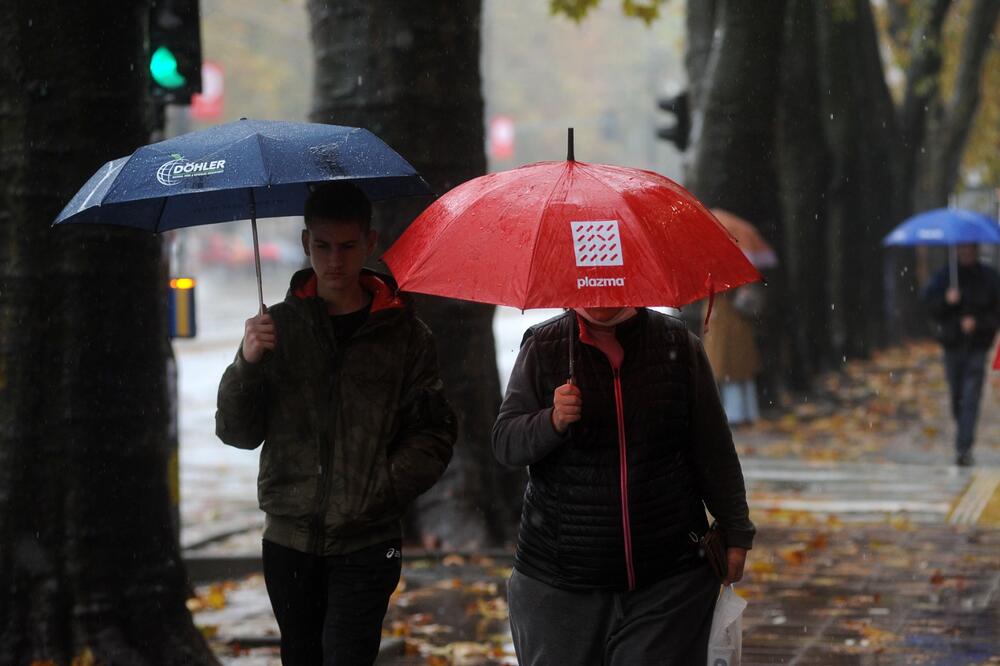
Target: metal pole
(572, 335)
(953, 265)
(256, 253)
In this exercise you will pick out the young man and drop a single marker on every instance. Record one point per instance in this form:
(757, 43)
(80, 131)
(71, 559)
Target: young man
(967, 318)
(340, 383)
(622, 462)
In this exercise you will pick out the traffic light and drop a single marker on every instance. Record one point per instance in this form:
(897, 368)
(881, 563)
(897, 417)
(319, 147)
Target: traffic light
(680, 132)
(174, 50)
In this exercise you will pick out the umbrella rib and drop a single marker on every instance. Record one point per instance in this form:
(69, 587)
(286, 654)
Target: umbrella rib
(112, 185)
(94, 191)
(263, 163)
(443, 230)
(625, 201)
(538, 235)
(159, 216)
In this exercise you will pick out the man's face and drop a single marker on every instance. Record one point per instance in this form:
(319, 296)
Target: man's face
(968, 254)
(337, 251)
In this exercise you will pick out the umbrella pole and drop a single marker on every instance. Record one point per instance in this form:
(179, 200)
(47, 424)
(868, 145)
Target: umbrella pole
(572, 335)
(256, 254)
(953, 265)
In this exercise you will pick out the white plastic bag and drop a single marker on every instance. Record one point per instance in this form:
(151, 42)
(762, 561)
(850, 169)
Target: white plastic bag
(725, 641)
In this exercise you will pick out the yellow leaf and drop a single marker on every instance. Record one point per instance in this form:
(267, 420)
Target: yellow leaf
(453, 560)
(794, 555)
(85, 658)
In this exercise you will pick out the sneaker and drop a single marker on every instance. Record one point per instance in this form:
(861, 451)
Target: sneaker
(964, 460)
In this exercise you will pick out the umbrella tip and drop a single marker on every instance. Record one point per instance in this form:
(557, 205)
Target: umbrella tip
(569, 145)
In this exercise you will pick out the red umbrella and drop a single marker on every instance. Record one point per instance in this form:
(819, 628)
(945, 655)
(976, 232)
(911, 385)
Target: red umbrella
(757, 250)
(569, 234)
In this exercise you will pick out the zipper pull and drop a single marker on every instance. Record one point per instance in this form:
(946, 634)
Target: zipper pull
(320, 470)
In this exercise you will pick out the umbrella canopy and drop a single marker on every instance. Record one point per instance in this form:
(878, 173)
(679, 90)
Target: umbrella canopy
(945, 226)
(757, 250)
(237, 171)
(569, 234)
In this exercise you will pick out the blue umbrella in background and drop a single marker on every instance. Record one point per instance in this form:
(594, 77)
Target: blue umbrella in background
(946, 226)
(246, 169)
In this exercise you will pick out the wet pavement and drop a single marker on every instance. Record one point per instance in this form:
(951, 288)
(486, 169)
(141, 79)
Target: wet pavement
(872, 547)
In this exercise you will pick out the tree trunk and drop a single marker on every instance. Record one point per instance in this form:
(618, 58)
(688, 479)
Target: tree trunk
(802, 168)
(734, 142)
(410, 73)
(947, 125)
(89, 563)
(859, 128)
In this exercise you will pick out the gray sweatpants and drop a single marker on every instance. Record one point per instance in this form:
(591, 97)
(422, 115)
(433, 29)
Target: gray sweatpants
(663, 624)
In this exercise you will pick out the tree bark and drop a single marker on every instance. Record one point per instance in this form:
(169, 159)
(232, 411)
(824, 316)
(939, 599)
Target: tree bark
(89, 563)
(948, 125)
(803, 174)
(410, 73)
(733, 165)
(922, 91)
(859, 127)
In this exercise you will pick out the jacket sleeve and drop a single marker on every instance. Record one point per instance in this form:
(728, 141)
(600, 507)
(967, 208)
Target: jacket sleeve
(933, 297)
(523, 433)
(428, 429)
(716, 465)
(989, 319)
(240, 417)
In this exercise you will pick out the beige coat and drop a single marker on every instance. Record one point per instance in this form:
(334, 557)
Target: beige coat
(730, 343)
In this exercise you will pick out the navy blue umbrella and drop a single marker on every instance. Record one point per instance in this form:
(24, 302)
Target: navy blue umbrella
(241, 170)
(945, 226)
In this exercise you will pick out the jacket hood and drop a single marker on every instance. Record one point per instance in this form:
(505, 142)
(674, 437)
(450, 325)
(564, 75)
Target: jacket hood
(385, 293)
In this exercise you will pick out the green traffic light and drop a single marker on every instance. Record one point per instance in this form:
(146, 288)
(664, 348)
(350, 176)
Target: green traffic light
(163, 68)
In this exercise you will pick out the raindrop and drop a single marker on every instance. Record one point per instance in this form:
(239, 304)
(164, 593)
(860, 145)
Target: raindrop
(361, 80)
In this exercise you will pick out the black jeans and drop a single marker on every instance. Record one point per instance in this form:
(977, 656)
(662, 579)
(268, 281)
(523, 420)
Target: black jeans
(965, 369)
(330, 609)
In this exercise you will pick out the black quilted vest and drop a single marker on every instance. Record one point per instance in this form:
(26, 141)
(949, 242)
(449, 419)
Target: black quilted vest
(572, 532)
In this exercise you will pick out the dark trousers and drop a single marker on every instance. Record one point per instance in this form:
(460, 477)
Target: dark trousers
(965, 369)
(664, 624)
(330, 609)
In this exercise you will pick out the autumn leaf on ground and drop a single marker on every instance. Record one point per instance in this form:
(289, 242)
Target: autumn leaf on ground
(818, 541)
(85, 658)
(453, 560)
(449, 584)
(794, 555)
(876, 637)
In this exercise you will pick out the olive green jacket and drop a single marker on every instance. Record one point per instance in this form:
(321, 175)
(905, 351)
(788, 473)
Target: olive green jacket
(352, 433)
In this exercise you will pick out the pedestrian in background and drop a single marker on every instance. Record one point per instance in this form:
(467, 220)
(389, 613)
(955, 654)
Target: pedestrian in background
(966, 317)
(731, 346)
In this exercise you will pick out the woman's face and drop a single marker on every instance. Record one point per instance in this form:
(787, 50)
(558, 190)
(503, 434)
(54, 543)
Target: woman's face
(603, 314)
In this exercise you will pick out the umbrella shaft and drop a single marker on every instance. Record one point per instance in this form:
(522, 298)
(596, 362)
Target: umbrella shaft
(256, 260)
(953, 265)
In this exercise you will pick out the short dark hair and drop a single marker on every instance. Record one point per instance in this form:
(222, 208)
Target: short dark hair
(339, 201)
